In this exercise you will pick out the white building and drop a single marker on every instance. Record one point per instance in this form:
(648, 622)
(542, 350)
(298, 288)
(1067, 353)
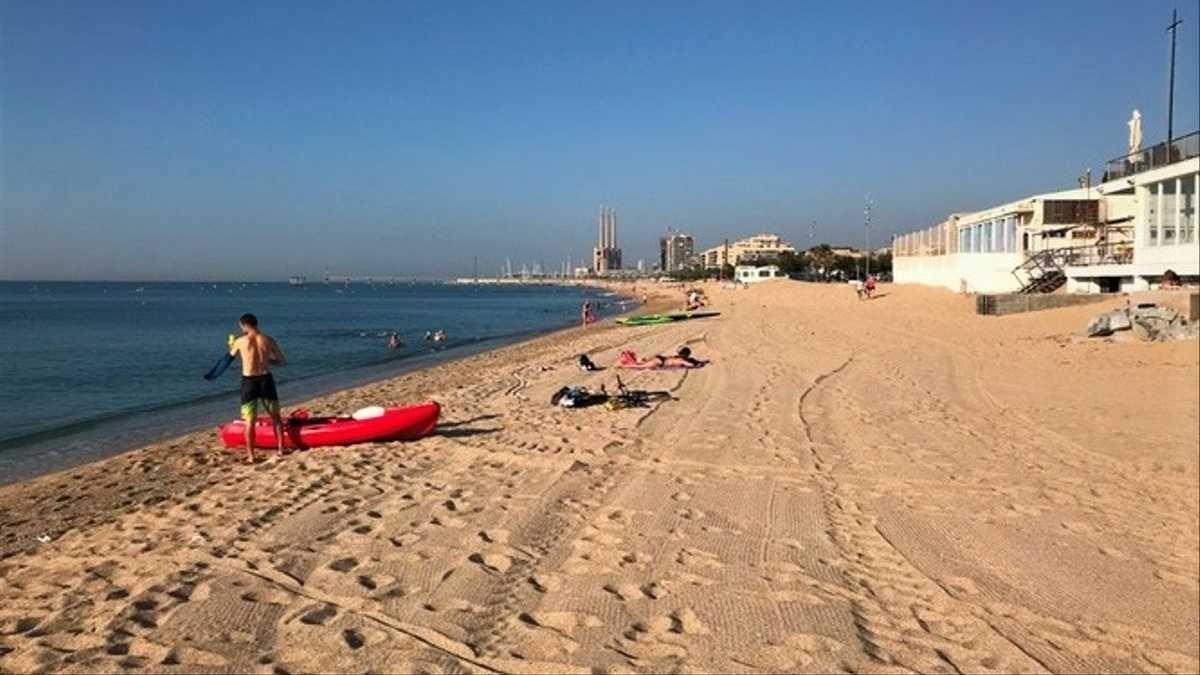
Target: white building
(759, 248)
(753, 274)
(1121, 235)
(1158, 199)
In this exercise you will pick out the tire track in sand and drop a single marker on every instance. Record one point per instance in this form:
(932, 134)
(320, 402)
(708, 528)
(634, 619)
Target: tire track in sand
(903, 618)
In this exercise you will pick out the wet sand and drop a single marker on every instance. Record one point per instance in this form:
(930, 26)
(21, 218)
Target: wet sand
(886, 486)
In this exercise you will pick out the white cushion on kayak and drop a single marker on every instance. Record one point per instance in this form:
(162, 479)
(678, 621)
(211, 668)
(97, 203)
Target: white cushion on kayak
(369, 412)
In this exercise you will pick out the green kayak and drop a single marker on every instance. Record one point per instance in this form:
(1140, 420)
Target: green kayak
(656, 319)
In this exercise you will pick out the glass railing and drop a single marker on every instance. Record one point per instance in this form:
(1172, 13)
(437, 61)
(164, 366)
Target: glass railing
(1184, 147)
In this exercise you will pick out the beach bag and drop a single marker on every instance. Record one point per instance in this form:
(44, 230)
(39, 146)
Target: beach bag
(577, 397)
(569, 397)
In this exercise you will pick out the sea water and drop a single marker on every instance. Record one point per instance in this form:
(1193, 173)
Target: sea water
(91, 369)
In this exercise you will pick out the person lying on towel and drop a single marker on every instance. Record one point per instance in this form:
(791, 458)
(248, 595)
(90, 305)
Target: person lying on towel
(682, 359)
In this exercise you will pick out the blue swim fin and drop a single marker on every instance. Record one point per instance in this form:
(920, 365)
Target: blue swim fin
(219, 367)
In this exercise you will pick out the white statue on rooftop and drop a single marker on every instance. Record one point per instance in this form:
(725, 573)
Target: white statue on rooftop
(1135, 132)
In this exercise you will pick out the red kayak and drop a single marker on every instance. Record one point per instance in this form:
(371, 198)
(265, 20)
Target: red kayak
(301, 431)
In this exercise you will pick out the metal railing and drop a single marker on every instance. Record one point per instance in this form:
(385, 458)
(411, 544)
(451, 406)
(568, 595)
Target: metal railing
(1184, 147)
(1120, 253)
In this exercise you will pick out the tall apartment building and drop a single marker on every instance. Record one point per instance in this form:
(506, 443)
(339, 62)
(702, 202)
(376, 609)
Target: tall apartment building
(675, 250)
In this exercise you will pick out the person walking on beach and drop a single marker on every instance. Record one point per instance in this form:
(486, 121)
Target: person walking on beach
(587, 314)
(258, 352)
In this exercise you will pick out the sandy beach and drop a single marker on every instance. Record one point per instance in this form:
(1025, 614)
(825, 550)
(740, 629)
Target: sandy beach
(887, 486)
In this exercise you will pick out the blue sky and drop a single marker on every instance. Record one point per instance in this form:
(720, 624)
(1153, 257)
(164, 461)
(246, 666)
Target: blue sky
(252, 140)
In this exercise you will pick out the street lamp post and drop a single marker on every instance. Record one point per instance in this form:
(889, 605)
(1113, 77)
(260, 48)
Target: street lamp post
(867, 236)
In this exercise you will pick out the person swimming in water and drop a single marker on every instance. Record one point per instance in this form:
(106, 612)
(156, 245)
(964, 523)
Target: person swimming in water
(394, 342)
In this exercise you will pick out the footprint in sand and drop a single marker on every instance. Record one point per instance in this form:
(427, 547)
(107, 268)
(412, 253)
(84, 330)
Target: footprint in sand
(318, 615)
(1077, 527)
(615, 519)
(684, 579)
(374, 582)
(406, 539)
(693, 557)
(1189, 582)
(545, 583)
(595, 536)
(563, 622)
(447, 521)
(268, 596)
(451, 605)
(183, 655)
(794, 653)
(1113, 553)
(494, 536)
(494, 562)
(960, 586)
(343, 564)
(627, 592)
(796, 596)
(354, 639)
(793, 544)
(549, 636)
(662, 636)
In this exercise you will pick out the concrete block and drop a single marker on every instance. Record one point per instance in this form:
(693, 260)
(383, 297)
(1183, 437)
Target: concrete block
(999, 304)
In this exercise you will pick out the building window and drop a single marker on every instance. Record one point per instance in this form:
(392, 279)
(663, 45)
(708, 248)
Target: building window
(1152, 210)
(1168, 212)
(1187, 209)
(1011, 224)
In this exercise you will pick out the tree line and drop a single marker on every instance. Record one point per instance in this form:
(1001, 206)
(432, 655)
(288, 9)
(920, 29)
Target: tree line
(816, 264)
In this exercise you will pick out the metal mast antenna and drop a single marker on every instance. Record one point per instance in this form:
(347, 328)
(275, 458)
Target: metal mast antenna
(1175, 23)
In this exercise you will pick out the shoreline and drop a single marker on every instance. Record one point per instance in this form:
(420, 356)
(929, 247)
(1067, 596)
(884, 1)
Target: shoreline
(896, 484)
(96, 464)
(94, 439)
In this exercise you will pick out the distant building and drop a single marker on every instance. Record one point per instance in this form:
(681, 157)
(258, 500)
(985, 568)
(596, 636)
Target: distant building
(1121, 235)
(761, 248)
(675, 251)
(606, 257)
(753, 274)
(847, 252)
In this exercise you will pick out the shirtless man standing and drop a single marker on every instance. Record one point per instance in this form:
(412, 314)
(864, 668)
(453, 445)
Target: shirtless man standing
(258, 352)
